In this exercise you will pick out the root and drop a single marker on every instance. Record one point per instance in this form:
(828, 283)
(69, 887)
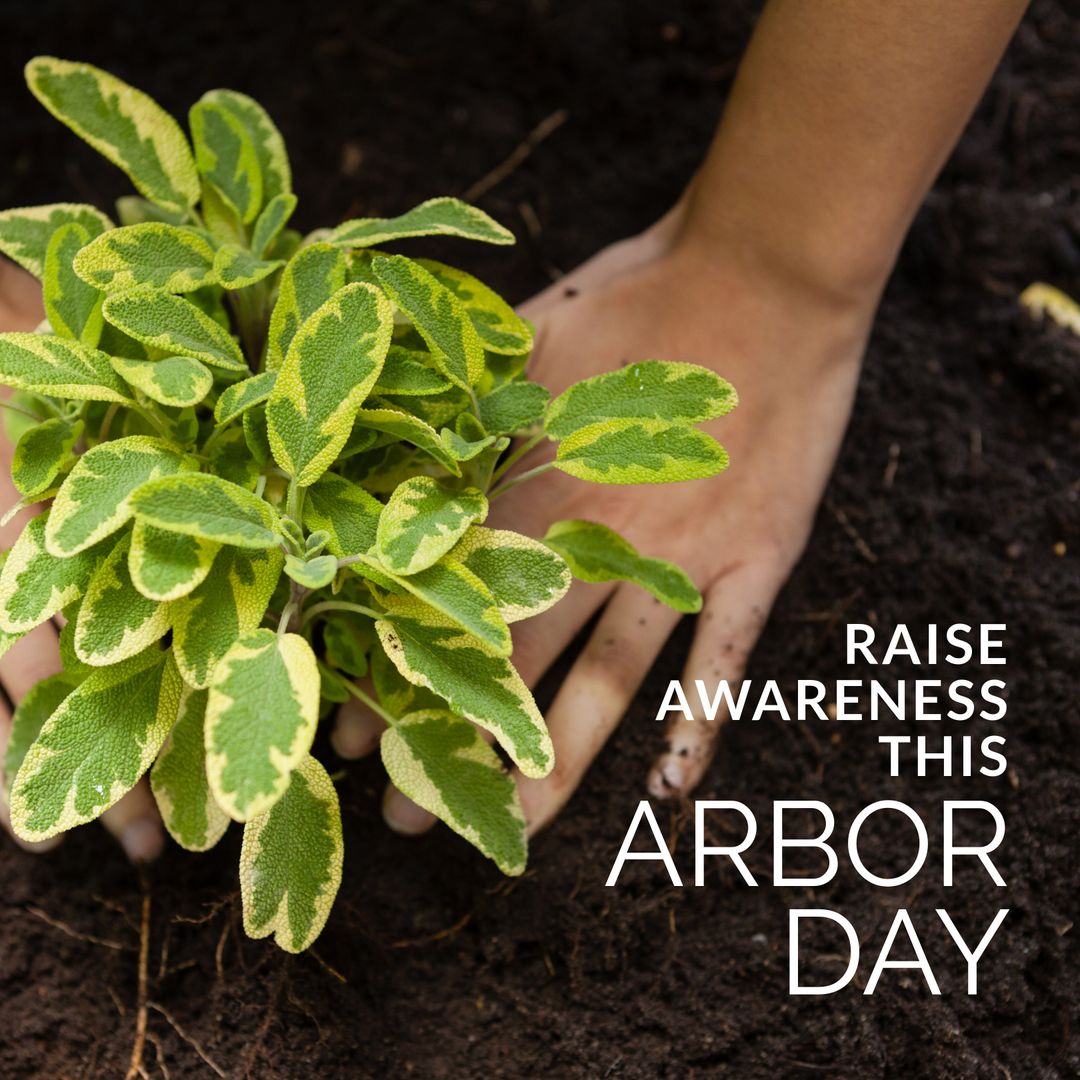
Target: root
(136, 1067)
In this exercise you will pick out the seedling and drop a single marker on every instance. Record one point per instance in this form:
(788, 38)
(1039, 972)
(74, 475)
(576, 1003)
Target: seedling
(270, 459)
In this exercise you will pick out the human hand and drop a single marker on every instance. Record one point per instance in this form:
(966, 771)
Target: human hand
(793, 354)
(134, 819)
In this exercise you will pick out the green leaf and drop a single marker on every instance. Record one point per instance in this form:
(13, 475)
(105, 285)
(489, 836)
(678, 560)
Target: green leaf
(177, 381)
(429, 650)
(460, 595)
(649, 390)
(95, 498)
(436, 217)
(332, 364)
(166, 257)
(270, 222)
(397, 695)
(42, 454)
(35, 585)
(225, 155)
(58, 368)
(199, 504)
(500, 328)
(167, 565)
(135, 210)
(464, 450)
(115, 620)
(524, 576)
(241, 396)
(408, 428)
(236, 268)
(640, 452)
(260, 720)
(309, 280)
(346, 644)
(178, 780)
(596, 553)
(121, 123)
(513, 407)
(25, 231)
(173, 325)
(230, 458)
(345, 511)
(409, 373)
(314, 573)
(29, 717)
(72, 307)
(290, 862)
(423, 520)
(264, 137)
(443, 764)
(230, 603)
(437, 315)
(96, 745)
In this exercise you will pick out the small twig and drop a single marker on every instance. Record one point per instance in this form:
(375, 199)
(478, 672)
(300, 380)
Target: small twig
(518, 155)
(136, 1067)
(189, 1039)
(332, 970)
(430, 939)
(893, 464)
(861, 546)
(93, 939)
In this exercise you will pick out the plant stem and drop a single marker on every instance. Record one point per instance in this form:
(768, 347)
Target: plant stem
(18, 409)
(287, 613)
(516, 455)
(370, 702)
(520, 479)
(106, 423)
(339, 605)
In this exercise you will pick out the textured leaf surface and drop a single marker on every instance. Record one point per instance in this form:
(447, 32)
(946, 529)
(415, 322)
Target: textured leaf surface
(35, 585)
(42, 453)
(423, 520)
(500, 328)
(199, 504)
(58, 368)
(524, 576)
(314, 573)
(443, 764)
(436, 217)
(230, 603)
(174, 325)
(72, 307)
(290, 862)
(25, 231)
(437, 314)
(270, 223)
(163, 256)
(409, 373)
(260, 720)
(95, 498)
(236, 268)
(348, 514)
(178, 780)
(115, 620)
(241, 396)
(177, 380)
(166, 565)
(513, 407)
(430, 651)
(225, 155)
(596, 553)
(310, 278)
(264, 136)
(332, 364)
(96, 745)
(410, 429)
(124, 125)
(29, 717)
(650, 390)
(640, 452)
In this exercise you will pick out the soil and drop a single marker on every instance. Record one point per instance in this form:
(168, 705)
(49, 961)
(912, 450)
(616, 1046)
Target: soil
(432, 965)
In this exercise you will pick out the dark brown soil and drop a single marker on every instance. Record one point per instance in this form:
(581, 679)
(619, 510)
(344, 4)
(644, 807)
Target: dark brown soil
(431, 964)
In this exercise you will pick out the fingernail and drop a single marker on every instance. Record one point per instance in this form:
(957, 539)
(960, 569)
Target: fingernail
(356, 731)
(403, 815)
(142, 840)
(673, 775)
(39, 847)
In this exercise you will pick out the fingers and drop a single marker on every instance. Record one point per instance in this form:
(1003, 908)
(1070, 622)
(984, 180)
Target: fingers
(135, 823)
(357, 729)
(31, 659)
(596, 693)
(736, 609)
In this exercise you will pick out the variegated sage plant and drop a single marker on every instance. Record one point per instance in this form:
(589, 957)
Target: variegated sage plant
(268, 460)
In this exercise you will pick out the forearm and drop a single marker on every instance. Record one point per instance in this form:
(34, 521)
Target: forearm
(842, 114)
